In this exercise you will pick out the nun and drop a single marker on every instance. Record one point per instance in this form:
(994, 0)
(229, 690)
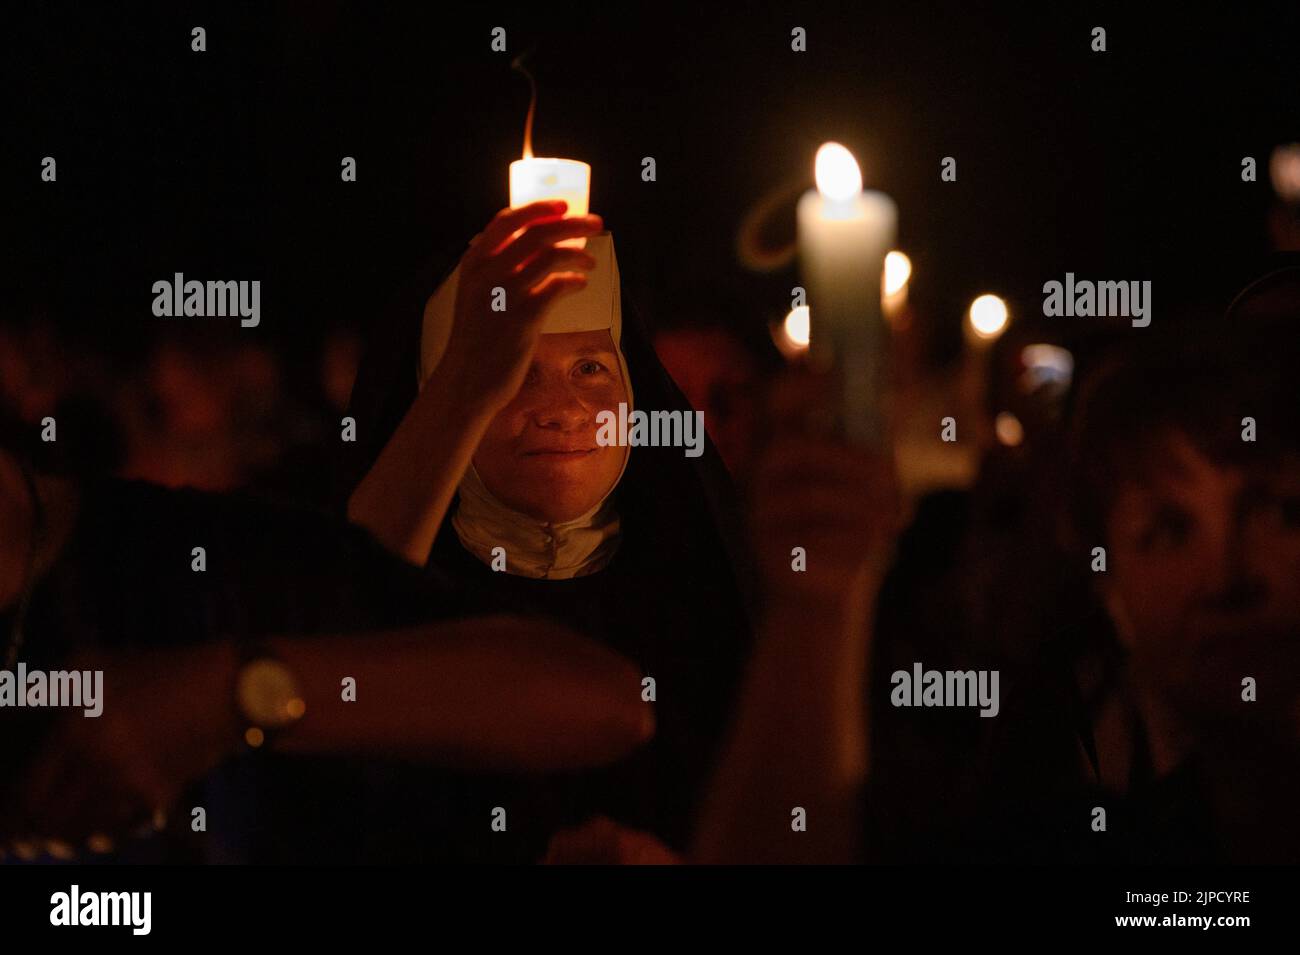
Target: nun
(477, 418)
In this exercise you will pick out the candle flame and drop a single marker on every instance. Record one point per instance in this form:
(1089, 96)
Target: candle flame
(518, 64)
(798, 326)
(1009, 429)
(898, 269)
(836, 172)
(988, 316)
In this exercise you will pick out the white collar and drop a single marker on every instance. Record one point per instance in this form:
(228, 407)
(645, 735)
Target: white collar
(533, 548)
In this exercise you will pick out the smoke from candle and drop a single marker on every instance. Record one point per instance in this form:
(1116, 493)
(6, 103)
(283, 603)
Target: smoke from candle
(518, 64)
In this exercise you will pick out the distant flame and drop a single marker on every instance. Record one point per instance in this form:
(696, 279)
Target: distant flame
(797, 326)
(988, 316)
(518, 64)
(1009, 429)
(791, 334)
(898, 269)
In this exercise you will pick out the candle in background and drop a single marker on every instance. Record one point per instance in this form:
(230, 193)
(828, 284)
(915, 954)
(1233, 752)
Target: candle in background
(906, 358)
(791, 334)
(844, 234)
(536, 179)
(985, 322)
(898, 272)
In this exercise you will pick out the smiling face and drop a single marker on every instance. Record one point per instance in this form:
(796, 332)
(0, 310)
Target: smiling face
(1203, 582)
(539, 455)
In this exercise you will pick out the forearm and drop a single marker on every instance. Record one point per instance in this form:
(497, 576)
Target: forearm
(799, 740)
(495, 693)
(403, 499)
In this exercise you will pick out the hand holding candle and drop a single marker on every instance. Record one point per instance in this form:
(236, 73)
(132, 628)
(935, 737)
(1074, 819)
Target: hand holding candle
(487, 353)
(844, 235)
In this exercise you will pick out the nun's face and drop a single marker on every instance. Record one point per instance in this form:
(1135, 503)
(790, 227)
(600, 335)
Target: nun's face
(539, 455)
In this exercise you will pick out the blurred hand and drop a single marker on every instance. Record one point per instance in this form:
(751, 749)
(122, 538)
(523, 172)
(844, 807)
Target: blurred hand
(601, 841)
(812, 490)
(489, 352)
(168, 718)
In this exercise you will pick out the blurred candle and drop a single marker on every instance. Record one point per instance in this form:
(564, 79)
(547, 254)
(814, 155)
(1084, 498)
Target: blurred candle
(898, 272)
(791, 335)
(844, 234)
(985, 322)
(1009, 429)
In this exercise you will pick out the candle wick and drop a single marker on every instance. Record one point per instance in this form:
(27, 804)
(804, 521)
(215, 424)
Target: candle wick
(518, 64)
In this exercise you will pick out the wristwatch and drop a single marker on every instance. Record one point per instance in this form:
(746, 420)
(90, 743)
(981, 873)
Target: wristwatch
(267, 696)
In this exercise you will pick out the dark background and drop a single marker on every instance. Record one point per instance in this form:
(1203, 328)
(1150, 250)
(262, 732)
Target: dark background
(225, 164)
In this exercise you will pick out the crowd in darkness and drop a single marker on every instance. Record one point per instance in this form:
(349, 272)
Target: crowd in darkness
(489, 639)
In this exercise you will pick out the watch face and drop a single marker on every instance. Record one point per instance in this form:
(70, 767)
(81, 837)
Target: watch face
(268, 694)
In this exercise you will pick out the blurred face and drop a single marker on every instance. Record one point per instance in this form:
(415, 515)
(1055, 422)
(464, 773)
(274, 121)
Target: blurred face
(716, 375)
(1204, 584)
(539, 455)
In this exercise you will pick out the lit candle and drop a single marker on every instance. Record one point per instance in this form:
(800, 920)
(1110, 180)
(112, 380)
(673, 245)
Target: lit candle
(844, 234)
(791, 334)
(898, 271)
(985, 322)
(536, 180)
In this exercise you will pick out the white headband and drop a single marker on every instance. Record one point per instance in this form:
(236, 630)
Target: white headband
(594, 308)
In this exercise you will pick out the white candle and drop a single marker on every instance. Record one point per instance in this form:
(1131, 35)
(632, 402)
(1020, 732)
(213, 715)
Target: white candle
(844, 234)
(534, 180)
